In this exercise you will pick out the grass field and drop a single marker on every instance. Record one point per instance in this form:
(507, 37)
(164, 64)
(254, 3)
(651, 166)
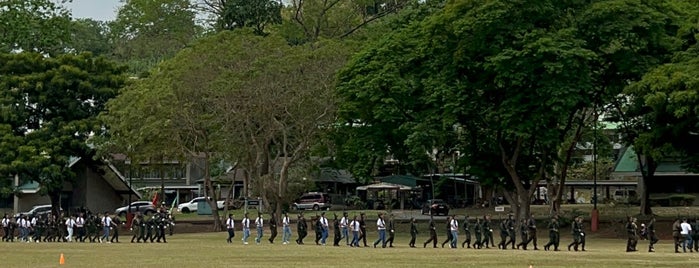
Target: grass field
(211, 250)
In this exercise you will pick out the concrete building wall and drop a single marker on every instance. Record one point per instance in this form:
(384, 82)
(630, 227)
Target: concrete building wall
(99, 195)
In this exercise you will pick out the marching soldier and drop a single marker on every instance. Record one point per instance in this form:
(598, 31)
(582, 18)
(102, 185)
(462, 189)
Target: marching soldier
(695, 235)
(319, 229)
(391, 228)
(554, 235)
(162, 225)
(575, 231)
(511, 232)
(524, 234)
(301, 228)
(531, 225)
(477, 230)
(272, 228)
(336, 231)
(652, 237)
(433, 235)
(467, 233)
(135, 228)
(676, 229)
(503, 234)
(362, 227)
(489, 232)
(115, 224)
(413, 232)
(632, 233)
(581, 229)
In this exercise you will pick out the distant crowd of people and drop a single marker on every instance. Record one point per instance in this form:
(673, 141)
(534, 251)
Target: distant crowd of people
(85, 227)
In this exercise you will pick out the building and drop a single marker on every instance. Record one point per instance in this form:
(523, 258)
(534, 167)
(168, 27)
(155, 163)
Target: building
(98, 186)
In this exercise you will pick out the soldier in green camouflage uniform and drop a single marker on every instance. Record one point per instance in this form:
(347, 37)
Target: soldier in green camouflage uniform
(575, 231)
(554, 235)
(487, 232)
(467, 232)
(524, 234)
(135, 228)
(477, 230)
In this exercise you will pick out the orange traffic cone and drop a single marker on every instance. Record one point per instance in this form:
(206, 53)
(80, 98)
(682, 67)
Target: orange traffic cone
(62, 260)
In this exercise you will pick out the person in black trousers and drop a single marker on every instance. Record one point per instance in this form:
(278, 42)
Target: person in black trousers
(301, 228)
(272, 228)
(413, 232)
(433, 235)
(362, 227)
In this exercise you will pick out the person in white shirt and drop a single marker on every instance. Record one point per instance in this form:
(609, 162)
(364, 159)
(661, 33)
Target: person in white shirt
(259, 224)
(454, 228)
(355, 232)
(686, 234)
(106, 225)
(230, 226)
(324, 226)
(6, 227)
(286, 229)
(381, 226)
(32, 225)
(23, 224)
(80, 228)
(70, 223)
(246, 228)
(344, 222)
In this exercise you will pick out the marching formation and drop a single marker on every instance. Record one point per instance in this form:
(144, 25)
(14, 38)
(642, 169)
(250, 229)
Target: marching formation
(84, 227)
(477, 233)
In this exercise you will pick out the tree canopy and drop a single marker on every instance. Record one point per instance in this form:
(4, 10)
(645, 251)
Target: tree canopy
(48, 110)
(509, 74)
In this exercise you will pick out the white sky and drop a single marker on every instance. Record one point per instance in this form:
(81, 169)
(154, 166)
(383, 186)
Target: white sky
(103, 10)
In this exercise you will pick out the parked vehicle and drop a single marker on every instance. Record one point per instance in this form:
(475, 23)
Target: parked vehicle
(145, 207)
(625, 196)
(435, 207)
(38, 210)
(313, 200)
(193, 205)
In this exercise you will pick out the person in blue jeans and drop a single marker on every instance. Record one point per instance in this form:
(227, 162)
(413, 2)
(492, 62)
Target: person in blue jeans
(344, 226)
(106, 225)
(246, 228)
(686, 234)
(381, 226)
(355, 226)
(454, 227)
(324, 228)
(286, 229)
(259, 224)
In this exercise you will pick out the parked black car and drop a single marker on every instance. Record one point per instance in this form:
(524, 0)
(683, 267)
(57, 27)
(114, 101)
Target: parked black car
(435, 207)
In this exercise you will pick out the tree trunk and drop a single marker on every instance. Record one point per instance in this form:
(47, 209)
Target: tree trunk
(55, 197)
(211, 194)
(647, 174)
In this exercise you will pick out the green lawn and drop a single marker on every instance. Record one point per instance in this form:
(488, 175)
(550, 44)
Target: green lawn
(211, 250)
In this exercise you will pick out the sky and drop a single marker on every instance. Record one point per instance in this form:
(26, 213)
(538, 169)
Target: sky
(103, 10)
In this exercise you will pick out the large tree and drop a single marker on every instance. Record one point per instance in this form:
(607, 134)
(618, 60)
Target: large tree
(235, 14)
(147, 32)
(48, 112)
(34, 25)
(247, 99)
(512, 74)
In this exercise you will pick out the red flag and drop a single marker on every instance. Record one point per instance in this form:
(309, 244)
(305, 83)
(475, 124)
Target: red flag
(155, 199)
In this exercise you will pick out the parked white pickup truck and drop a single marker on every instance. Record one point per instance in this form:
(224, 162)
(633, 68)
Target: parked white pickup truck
(192, 205)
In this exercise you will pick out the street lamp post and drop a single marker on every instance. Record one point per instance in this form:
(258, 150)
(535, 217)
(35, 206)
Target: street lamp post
(595, 212)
